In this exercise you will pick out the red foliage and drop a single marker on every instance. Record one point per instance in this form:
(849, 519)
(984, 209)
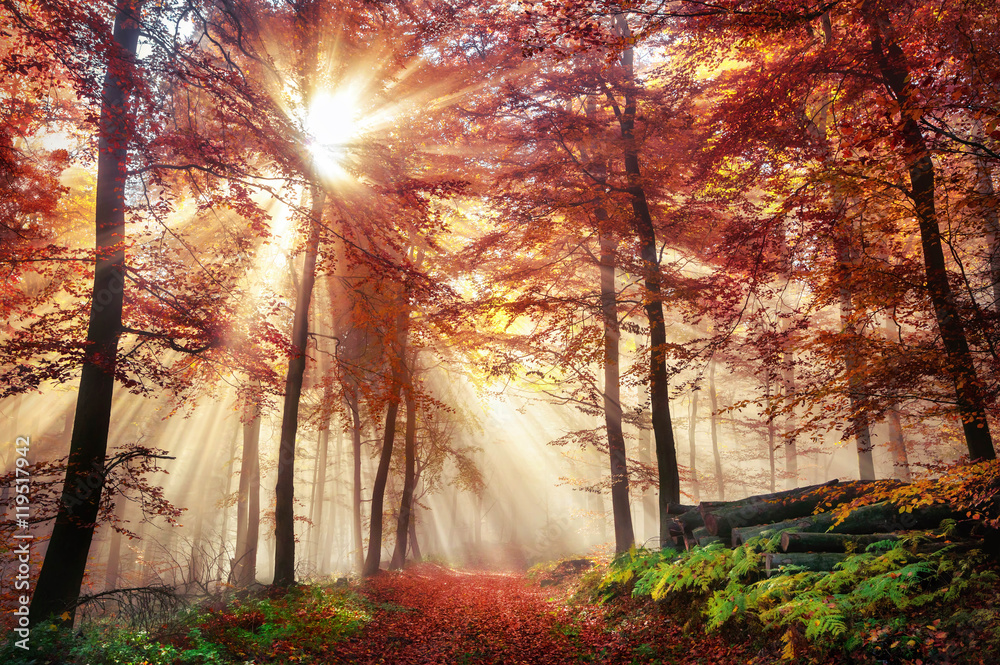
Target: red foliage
(434, 615)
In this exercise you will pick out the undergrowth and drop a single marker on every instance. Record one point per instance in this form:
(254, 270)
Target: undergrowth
(297, 627)
(886, 604)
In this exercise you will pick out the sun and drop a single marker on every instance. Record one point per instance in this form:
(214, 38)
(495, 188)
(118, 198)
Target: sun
(334, 125)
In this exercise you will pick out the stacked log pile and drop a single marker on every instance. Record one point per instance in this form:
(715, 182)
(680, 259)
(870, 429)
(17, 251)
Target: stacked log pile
(816, 542)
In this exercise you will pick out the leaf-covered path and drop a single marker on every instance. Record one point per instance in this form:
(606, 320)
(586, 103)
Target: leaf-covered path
(434, 615)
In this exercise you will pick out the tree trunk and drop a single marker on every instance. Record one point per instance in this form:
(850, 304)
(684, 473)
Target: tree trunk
(620, 509)
(65, 562)
(988, 204)
(226, 563)
(692, 448)
(478, 522)
(666, 451)
(414, 544)
(650, 521)
(359, 545)
(771, 436)
(248, 572)
(284, 507)
(113, 569)
(897, 444)
(713, 400)
(196, 560)
(248, 499)
(895, 73)
(853, 361)
(374, 558)
(843, 241)
(319, 490)
(334, 532)
(409, 455)
(788, 373)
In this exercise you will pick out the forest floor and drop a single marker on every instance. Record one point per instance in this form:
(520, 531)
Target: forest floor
(549, 616)
(431, 614)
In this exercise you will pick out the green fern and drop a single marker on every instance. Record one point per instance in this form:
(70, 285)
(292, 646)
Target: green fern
(700, 568)
(635, 564)
(882, 546)
(746, 561)
(841, 609)
(726, 604)
(895, 587)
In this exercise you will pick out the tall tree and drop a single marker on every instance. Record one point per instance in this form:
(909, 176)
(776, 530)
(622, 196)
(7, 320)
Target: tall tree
(692, 444)
(713, 402)
(891, 66)
(666, 452)
(248, 499)
(284, 510)
(409, 471)
(620, 508)
(65, 562)
(397, 360)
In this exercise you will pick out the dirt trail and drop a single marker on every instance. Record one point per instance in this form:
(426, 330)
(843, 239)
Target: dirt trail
(435, 615)
(430, 614)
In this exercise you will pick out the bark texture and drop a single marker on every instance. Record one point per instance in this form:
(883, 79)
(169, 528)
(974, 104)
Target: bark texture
(65, 562)
(892, 67)
(284, 509)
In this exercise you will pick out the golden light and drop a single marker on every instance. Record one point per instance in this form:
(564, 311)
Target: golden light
(334, 123)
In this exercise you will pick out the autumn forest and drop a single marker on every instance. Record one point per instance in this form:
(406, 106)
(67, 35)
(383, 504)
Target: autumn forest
(359, 331)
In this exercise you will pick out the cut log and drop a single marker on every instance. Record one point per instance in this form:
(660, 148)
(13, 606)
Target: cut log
(699, 537)
(958, 545)
(817, 561)
(742, 534)
(883, 517)
(769, 508)
(690, 521)
(680, 527)
(678, 508)
(675, 531)
(831, 542)
(876, 518)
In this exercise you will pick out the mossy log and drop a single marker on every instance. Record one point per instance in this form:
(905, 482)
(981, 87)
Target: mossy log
(699, 537)
(831, 542)
(876, 518)
(742, 534)
(770, 508)
(817, 561)
(684, 524)
(886, 517)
